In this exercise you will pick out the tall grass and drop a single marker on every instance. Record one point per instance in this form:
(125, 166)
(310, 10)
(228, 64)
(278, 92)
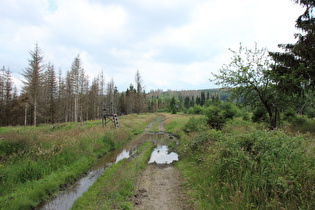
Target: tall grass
(249, 169)
(174, 123)
(36, 161)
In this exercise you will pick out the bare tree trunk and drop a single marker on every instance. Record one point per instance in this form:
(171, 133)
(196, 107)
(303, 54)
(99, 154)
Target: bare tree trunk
(75, 109)
(25, 115)
(35, 111)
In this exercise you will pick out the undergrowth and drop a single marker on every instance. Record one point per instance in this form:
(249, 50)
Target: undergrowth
(248, 168)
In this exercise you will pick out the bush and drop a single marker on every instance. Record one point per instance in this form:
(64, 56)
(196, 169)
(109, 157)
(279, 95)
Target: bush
(310, 113)
(216, 117)
(289, 114)
(196, 109)
(298, 121)
(195, 125)
(260, 115)
(245, 116)
(230, 110)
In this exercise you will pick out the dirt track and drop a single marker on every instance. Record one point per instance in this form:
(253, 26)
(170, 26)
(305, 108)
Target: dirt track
(160, 187)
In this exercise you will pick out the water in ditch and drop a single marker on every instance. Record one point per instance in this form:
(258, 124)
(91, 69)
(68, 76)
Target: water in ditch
(161, 155)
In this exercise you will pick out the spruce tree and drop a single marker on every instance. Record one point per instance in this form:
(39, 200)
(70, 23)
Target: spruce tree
(140, 94)
(294, 69)
(33, 79)
(2, 102)
(8, 97)
(75, 74)
(50, 93)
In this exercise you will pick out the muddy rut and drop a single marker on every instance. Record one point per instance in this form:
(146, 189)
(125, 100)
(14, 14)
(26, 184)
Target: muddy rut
(159, 186)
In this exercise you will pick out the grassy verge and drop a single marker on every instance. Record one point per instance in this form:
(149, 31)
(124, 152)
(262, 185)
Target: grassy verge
(244, 167)
(116, 184)
(36, 161)
(174, 123)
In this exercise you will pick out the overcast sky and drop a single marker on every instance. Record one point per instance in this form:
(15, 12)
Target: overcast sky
(175, 44)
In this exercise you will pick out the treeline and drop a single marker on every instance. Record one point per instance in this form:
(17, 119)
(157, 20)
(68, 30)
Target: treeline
(159, 100)
(48, 97)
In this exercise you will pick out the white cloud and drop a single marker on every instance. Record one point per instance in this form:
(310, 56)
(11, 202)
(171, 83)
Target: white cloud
(85, 22)
(174, 44)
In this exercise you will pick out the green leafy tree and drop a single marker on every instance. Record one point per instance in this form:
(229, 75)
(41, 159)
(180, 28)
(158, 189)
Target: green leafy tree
(247, 76)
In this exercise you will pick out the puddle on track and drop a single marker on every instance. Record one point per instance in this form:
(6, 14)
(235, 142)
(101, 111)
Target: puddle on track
(65, 199)
(160, 155)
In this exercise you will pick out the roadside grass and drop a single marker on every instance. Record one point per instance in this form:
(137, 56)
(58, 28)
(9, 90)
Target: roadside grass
(35, 162)
(174, 123)
(247, 167)
(114, 187)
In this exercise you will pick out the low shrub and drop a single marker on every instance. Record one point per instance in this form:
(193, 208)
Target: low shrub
(195, 125)
(216, 117)
(310, 112)
(230, 110)
(289, 114)
(196, 109)
(260, 115)
(298, 121)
